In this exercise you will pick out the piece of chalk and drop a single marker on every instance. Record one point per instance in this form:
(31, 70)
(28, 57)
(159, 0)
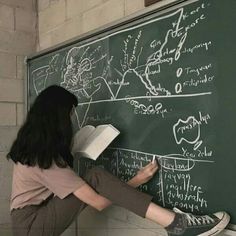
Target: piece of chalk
(153, 159)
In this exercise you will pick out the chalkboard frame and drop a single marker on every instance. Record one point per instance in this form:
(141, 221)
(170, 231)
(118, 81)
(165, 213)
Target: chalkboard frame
(137, 18)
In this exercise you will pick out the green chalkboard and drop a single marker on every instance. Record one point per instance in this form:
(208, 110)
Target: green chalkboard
(167, 82)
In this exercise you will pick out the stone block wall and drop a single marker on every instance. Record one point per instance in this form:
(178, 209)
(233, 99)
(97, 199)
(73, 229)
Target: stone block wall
(60, 20)
(17, 40)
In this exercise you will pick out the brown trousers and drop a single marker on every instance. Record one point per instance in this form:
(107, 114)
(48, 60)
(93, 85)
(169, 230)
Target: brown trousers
(54, 215)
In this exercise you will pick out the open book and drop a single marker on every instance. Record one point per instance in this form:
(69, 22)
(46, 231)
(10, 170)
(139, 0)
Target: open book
(90, 142)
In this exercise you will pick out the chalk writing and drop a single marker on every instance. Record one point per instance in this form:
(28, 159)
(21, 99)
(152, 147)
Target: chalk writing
(146, 82)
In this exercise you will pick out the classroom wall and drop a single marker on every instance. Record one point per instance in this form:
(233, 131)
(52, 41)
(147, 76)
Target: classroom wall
(61, 20)
(17, 39)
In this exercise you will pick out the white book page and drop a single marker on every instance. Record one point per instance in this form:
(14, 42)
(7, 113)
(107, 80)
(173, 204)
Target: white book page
(81, 137)
(99, 139)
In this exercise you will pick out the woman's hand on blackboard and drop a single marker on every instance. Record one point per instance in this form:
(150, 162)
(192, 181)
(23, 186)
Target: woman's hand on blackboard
(147, 172)
(144, 174)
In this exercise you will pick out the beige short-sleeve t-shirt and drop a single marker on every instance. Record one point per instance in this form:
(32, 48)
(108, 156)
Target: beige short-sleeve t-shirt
(32, 185)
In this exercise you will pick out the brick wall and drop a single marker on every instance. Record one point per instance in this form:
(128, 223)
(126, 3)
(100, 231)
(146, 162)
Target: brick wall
(17, 39)
(61, 20)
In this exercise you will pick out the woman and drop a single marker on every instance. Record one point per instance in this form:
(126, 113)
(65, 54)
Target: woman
(47, 194)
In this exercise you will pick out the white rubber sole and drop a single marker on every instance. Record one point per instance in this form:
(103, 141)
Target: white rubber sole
(225, 218)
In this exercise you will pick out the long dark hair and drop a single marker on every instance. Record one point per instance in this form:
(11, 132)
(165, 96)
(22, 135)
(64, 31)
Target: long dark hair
(46, 135)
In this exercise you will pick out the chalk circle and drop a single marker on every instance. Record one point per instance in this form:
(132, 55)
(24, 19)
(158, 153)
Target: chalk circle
(179, 72)
(178, 88)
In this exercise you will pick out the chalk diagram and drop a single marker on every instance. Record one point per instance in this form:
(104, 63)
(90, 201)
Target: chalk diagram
(95, 76)
(126, 162)
(42, 74)
(89, 71)
(188, 131)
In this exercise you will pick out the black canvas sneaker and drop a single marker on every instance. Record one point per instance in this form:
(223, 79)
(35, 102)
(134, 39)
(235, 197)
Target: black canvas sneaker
(187, 224)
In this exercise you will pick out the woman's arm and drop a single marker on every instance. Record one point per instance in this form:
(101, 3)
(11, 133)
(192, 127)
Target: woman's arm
(95, 200)
(143, 175)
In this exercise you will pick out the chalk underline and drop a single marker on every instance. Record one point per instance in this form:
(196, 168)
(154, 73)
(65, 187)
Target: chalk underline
(169, 156)
(145, 97)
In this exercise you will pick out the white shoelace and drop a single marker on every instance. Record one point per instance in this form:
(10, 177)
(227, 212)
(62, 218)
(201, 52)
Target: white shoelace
(196, 220)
